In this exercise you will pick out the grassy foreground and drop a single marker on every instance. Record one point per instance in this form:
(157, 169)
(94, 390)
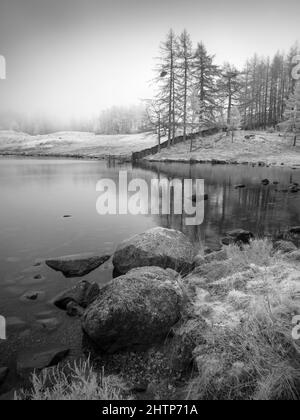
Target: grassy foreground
(248, 352)
(234, 341)
(78, 381)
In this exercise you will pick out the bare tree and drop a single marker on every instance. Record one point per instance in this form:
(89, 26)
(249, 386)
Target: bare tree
(185, 62)
(230, 87)
(155, 115)
(292, 114)
(235, 121)
(206, 75)
(166, 81)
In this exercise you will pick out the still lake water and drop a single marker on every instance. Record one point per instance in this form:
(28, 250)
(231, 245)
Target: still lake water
(37, 193)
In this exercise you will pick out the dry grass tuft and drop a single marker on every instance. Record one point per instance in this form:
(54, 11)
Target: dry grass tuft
(258, 252)
(256, 359)
(78, 381)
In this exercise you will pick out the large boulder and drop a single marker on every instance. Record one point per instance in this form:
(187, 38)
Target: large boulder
(159, 247)
(134, 311)
(77, 265)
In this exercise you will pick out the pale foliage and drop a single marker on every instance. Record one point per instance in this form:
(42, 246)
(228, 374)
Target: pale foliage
(75, 382)
(248, 352)
(258, 252)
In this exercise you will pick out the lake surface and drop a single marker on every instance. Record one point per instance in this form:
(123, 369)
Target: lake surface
(37, 193)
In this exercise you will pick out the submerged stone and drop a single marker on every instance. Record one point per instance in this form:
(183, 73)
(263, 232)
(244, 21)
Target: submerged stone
(15, 324)
(29, 362)
(33, 296)
(49, 324)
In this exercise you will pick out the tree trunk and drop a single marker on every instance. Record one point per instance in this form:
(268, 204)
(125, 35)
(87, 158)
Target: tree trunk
(185, 100)
(159, 132)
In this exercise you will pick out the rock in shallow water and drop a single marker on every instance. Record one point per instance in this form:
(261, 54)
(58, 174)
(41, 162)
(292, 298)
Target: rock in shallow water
(28, 362)
(48, 324)
(83, 294)
(34, 296)
(159, 247)
(77, 265)
(15, 324)
(134, 311)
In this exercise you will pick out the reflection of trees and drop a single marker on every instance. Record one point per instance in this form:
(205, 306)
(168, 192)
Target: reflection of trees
(257, 208)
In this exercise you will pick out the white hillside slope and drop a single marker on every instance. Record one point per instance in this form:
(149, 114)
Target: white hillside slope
(79, 144)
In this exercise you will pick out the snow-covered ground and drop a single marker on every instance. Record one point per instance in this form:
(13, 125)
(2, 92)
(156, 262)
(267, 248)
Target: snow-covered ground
(78, 144)
(270, 148)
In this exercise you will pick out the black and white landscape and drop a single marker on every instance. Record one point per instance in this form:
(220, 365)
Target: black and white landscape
(111, 289)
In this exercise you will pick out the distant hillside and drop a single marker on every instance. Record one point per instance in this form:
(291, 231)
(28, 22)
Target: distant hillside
(74, 144)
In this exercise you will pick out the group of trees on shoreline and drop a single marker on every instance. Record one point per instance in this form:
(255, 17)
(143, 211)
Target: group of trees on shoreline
(192, 93)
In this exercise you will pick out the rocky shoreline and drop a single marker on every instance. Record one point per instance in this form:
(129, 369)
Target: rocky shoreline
(258, 148)
(213, 161)
(127, 159)
(117, 158)
(173, 322)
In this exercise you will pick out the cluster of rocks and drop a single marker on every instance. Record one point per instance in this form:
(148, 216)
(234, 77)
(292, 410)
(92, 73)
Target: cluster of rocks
(142, 305)
(250, 137)
(292, 188)
(265, 182)
(139, 307)
(237, 236)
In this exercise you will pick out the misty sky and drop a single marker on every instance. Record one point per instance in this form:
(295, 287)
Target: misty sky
(76, 57)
